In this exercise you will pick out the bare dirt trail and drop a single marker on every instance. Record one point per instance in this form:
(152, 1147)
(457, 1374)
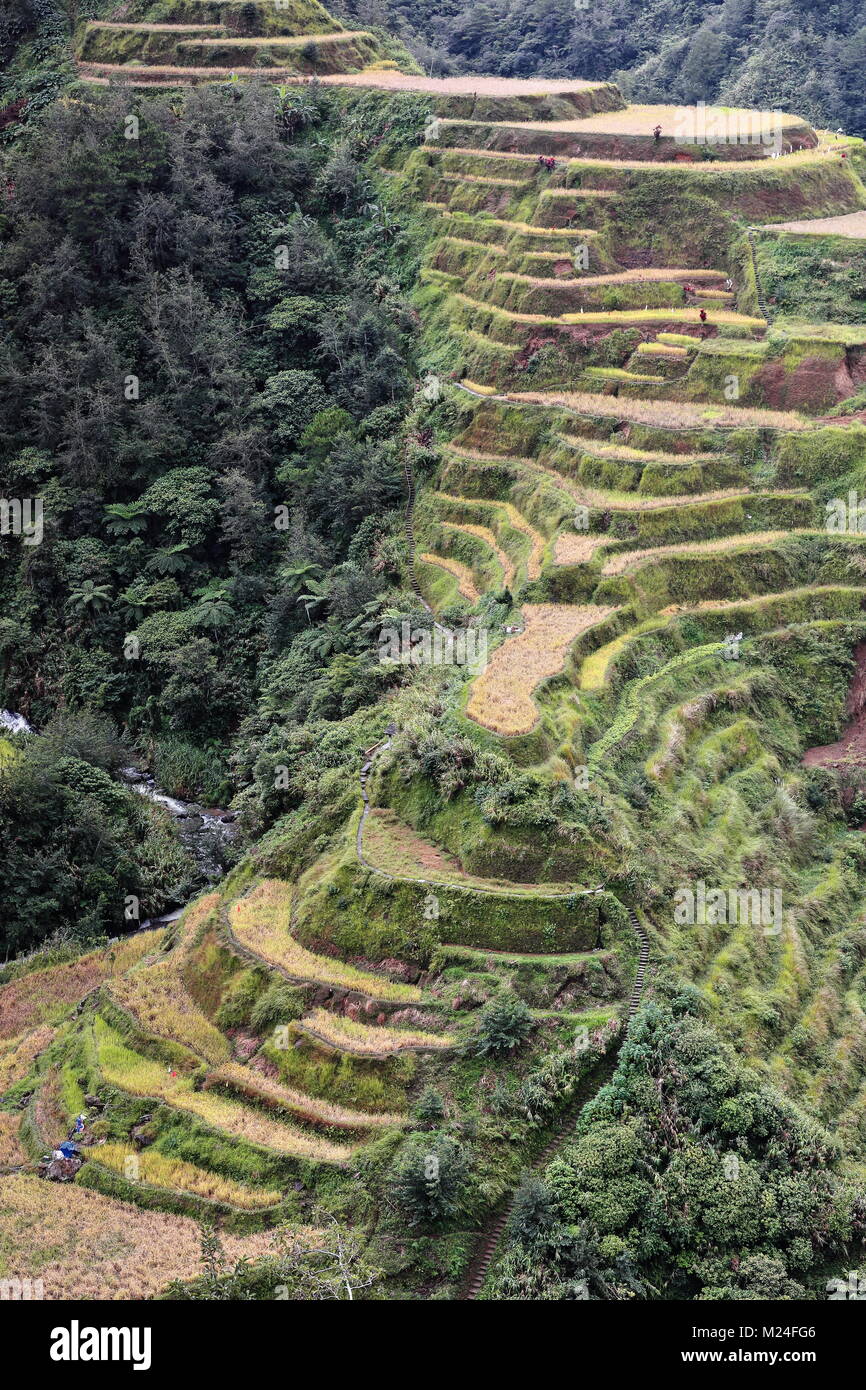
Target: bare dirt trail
(850, 750)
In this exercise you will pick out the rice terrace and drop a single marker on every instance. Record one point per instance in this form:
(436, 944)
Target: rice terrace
(450, 560)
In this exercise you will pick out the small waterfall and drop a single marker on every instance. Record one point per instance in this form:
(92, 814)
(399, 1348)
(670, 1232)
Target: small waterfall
(14, 723)
(205, 833)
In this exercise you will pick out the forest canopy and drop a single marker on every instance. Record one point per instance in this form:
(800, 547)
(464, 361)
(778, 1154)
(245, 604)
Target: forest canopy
(206, 357)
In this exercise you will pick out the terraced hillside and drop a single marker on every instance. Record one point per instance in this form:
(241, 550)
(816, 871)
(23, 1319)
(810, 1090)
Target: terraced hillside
(189, 41)
(618, 484)
(634, 407)
(222, 1068)
(636, 476)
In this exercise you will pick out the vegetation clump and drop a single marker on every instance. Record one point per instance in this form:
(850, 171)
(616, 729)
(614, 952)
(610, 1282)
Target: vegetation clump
(503, 1025)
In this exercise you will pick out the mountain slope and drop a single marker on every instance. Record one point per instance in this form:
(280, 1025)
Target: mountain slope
(516, 713)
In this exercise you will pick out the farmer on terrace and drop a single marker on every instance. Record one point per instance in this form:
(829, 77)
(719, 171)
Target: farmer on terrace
(703, 316)
(657, 133)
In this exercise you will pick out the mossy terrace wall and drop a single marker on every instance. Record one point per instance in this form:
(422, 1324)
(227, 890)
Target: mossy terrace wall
(306, 54)
(367, 911)
(771, 190)
(503, 135)
(326, 54)
(236, 16)
(296, 38)
(532, 106)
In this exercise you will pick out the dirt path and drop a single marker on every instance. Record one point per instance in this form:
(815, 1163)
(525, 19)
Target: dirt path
(850, 750)
(849, 224)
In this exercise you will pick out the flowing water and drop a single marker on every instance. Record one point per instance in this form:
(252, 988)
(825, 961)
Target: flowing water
(207, 834)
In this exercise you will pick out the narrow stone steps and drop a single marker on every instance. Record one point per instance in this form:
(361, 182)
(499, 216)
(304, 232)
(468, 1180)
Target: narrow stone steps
(480, 1264)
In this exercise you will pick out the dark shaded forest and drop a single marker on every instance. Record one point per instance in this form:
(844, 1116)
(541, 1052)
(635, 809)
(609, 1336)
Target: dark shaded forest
(206, 360)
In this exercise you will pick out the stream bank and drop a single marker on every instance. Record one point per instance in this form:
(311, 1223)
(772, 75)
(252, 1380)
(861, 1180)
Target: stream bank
(207, 834)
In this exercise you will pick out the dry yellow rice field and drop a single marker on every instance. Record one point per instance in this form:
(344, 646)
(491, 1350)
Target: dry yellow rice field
(619, 277)
(462, 573)
(150, 1166)
(527, 228)
(483, 533)
(736, 121)
(610, 316)
(156, 996)
(260, 921)
(501, 697)
(516, 521)
(673, 414)
(618, 564)
(193, 920)
(345, 1034)
(309, 1108)
(83, 1245)
(648, 502)
(599, 449)
(482, 178)
(289, 40)
(12, 1151)
(19, 1055)
(142, 1076)
(575, 548)
(519, 522)
(661, 350)
(462, 86)
(477, 456)
(707, 169)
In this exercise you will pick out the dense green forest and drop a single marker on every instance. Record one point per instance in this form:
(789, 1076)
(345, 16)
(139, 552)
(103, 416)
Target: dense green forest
(206, 364)
(787, 54)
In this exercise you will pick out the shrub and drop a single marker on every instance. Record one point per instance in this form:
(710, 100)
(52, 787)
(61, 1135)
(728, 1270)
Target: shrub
(430, 1109)
(239, 999)
(185, 771)
(532, 1213)
(429, 1178)
(504, 1023)
(280, 1003)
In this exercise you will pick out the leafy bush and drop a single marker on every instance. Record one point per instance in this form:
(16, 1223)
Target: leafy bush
(194, 774)
(532, 1212)
(238, 1000)
(503, 1025)
(280, 1003)
(429, 1178)
(430, 1108)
